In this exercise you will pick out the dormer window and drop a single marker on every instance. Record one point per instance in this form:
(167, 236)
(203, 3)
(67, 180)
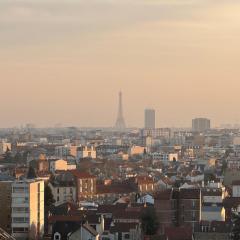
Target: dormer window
(57, 236)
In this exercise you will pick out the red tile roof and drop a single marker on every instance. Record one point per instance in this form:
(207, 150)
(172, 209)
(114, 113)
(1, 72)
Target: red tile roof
(80, 174)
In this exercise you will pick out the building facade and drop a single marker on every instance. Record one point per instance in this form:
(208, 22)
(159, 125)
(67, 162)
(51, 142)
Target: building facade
(5, 200)
(201, 124)
(28, 209)
(149, 119)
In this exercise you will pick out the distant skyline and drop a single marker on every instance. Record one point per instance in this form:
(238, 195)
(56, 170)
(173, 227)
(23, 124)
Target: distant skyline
(64, 61)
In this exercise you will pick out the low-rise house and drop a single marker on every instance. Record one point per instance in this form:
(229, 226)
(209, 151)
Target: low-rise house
(84, 232)
(123, 231)
(164, 183)
(58, 165)
(195, 176)
(146, 199)
(145, 184)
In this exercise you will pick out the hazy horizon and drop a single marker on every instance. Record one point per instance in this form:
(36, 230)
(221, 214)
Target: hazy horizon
(65, 61)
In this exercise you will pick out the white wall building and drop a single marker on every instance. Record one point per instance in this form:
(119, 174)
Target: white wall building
(60, 165)
(236, 189)
(62, 193)
(28, 209)
(4, 146)
(86, 152)
(136, 150)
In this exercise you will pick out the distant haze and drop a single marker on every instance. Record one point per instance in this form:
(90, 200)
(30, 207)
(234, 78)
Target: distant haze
(64, 61)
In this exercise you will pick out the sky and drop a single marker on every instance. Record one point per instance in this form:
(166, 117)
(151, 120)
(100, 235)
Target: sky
(64, 61)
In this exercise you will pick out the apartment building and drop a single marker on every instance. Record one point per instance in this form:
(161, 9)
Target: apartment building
(5, 200)
(28, 209)
(189, 207)
(166, 209)
(178, 207)
(86, 185)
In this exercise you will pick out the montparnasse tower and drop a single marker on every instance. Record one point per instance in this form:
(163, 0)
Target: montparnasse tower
(120, 123)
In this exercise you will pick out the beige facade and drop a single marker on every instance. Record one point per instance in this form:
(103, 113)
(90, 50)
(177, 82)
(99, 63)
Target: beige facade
(4, 146)
(28, 209)
(58, 165)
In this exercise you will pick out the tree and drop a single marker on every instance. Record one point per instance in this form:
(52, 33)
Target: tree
(31, 173)
(209, 177)
(18, 157)
(8, 156)
(224, 166)
(48, 197)
(48, 202)
(235, 232)
(149, 221)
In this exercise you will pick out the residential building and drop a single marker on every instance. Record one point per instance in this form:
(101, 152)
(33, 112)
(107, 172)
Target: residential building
(42, 164)
(86, 185)
(201, 124)
(58, 165)
(166, 208)
(85, 232)
(4, 147)
(178, 207)
(145, 184)
(161, 133)
(149, 119)
(63, 191)
(6, 200)
(86, 152)
(236, 188)
(189, 207)
(28, 209)
(66, 150)
(136, 150)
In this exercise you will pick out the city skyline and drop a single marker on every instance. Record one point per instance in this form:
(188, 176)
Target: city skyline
(72, 57)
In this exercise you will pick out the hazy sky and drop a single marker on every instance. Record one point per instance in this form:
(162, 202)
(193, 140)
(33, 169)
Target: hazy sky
(64, 61)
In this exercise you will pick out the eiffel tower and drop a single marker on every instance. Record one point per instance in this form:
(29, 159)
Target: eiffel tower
(120, 123)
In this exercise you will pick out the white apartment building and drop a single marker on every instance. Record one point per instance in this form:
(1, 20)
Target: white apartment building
(63, 151)
(86, 152)
(60, 165)
(28, 209)
(63, 193)
(4, 146)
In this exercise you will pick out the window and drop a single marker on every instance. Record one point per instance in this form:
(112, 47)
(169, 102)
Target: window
(20, 230)
(18, 189)
(57, 236)
(20, 200)
(20, 209)
(20, 220)
(127, 236)
(193, 216)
